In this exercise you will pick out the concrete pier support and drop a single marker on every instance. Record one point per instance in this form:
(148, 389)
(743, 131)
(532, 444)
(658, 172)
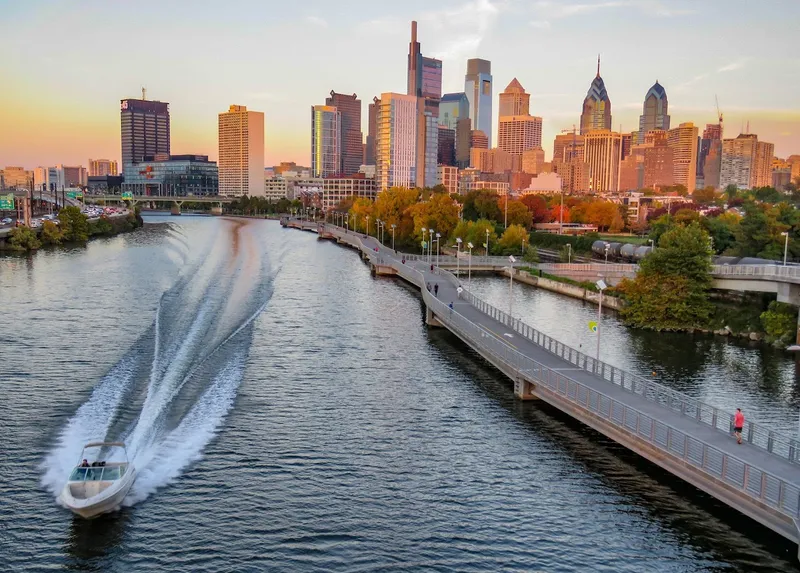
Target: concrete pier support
(431, 320)
(523, 390)
(216, 210)
(175, 209)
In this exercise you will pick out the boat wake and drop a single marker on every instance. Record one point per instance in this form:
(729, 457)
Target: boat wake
(168, 396)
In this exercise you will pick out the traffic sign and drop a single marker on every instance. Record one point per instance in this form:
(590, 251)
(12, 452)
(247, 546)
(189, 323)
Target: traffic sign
(127, 196)
(7, 202)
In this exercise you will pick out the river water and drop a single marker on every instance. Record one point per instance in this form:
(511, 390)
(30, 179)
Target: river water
(286, 411)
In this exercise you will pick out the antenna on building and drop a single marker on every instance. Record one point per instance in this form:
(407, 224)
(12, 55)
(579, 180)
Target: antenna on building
(748, 126)
(598, 65)
(144, 93)
(719, 115)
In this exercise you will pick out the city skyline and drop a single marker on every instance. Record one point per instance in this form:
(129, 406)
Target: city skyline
(40, 124)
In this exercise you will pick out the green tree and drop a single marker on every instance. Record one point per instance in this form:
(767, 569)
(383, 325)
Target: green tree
(481, 204)
(731, 191)
(670, 291)
(74, 225)
(101, 226)
(511, 243)
(515, 213)
(704, 196)
(759, 233)
(531, 255)
(23, 239)
(660, 226)
(722, 230)
(780, 321)
(768, 195)
(51, 233)
(475, 232)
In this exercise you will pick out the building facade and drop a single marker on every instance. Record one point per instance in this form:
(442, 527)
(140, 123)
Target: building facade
(396, 157)
(241, 152)
(101, 167)
(478, 87)
(463, 142)
(175, 176)
(568, 146)
(514, 100)
(491, 160)
(351, 139)
(447, 176)
(655, 112)
(145, 130)
(326, 140)
(683, 142)
(16, 177)
(603, 149)
(519, 133)
(478, 140)
(337, 189)
(596, 111)
(447, 146)
(372, 133)
(275, 188)
(533, 161)
(452, 108)
(746, 162)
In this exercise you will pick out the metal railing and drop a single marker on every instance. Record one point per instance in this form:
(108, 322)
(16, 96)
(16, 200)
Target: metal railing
(590, 267)
(464, 260)
(757, 271)
(755, 434)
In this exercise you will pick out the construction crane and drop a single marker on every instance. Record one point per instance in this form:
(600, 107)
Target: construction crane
(719, 115)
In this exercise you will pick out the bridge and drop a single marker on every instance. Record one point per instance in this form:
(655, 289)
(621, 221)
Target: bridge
(152, 200)
(683, 435)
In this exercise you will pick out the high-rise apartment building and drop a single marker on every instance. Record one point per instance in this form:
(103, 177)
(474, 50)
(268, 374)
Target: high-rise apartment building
(447, 146)
(603, 149)
(746, 162)
(241, 152)
(102, 167)
(519, 133)
(709, 156)
(533, 161)
(655, 112)
(596, 111)
(424, 75)
(396, 146)
(683, 142)
(427, 145)
(372, 132)
(478, 87)
(352, 151)
(326, 141)
(568, 146)
(447, 176)
(650, 164)
(478, 140)
(145, 130)
(514, 100)
(491, 160)
(452, 108)
(762, 172)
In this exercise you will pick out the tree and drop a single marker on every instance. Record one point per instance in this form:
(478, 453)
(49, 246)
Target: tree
(731, 191)
(481, 204)
(722, 230)
(704, 196)
(511, 243)
(768, 195)
(51, 233)
(601, 213)
(440, 213)
(670, 291)
(475, 232)
(74, 225)
(537, 207)
(392, 206)
(361, 209)
(531, 255)
(759, 234)
(517, 212)
(23, 239)
(555, 214)
(101, 227)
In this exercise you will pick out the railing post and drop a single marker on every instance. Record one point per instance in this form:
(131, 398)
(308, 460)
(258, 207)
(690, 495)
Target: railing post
(769, 442)
(746, 478)
(763, 489)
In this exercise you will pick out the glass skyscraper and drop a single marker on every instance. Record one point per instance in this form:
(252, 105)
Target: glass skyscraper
(478, 87)
(453, 107)
(145, 130)
(326, 140)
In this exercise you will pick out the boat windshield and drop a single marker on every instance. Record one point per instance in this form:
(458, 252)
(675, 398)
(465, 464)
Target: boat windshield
(105, 473)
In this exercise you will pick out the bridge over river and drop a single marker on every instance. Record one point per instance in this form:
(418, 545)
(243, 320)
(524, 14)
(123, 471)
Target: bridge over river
(689, 438)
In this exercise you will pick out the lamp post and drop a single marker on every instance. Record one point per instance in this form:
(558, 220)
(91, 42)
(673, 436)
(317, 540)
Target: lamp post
(511, 260)
(601, 286)
(561, 215)
(606, 251)
(438, 238)
(523, 246)
(367, 225)
(393, 228)
(469, 268)
(458, 252)
(424, 230)
(487, 242)
(378, 229)
(355, 222)
(785, 246)
(569, 253)
(430, 248)
(505, 215)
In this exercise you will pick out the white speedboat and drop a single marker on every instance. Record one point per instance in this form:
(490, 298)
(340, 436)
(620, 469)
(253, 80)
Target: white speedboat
(99, 486)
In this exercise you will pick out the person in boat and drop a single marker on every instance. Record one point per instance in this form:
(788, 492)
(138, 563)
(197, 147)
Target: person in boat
(85, 464)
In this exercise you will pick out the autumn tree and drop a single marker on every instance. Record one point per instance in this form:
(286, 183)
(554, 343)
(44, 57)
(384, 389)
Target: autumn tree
(515, 212)
(481, 204)
(439, 213)
(537, 207)
(513, 239)
(361, 209)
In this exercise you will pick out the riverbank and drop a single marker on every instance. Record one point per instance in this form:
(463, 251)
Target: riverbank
(565, 287)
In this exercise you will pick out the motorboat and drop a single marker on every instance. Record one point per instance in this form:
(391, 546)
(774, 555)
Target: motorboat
(98, 486)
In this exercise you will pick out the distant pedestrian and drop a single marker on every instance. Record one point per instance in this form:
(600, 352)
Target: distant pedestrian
(738, 425)
(428, 286)
(436, 289)
(404, 260)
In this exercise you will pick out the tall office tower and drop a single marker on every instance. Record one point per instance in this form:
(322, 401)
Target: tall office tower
(352, 152)
(241, 152)
(478, 140)
(603, 148)
(452, 108)
(326, 141)
(447, 146)
(478, 87)
(372, 138)
(628, 139)
(414, 83)
(102, 167)
(568, 146)
(709, 156)
(396, 154)
(655, 112)
(424, 75)
(761, 175)
(683, 142)
(427, 145)
(713, 131)
(514, 100)
(519, 133)
(596, 113)
(144, 128)
(463, 141)
(533, 161)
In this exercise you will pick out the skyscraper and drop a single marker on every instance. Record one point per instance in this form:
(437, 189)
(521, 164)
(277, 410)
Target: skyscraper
(478, 87)
(145, 130)
(596, 113)
(602, 150)
(414, 83)
(655, 112)
(241, 152)
(447, 146)
(568, 146)
(464, 141)
(372, 132)
(352, 152)
(396, 156)
(326, 140)
(514, 100)
(709, 156)
(102, 167)
(683, 142)
(453, 107)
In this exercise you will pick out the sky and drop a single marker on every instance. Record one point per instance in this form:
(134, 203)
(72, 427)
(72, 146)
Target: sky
(66, 64)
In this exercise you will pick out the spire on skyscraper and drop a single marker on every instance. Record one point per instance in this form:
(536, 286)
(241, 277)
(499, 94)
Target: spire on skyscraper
(598, 65)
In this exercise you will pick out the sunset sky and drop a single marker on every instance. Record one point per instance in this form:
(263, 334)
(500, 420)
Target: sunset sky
(66, 64)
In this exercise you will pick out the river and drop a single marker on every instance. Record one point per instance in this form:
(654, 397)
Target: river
(286, 411)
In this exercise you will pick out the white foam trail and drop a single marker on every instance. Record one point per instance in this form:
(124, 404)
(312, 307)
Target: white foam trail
(184, 445)
(90, 423)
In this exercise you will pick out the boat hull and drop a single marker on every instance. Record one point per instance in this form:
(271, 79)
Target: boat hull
(106, 501)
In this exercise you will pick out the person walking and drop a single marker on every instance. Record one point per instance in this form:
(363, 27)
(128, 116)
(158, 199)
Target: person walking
(428, 286)
(436, 289)
(738, 425)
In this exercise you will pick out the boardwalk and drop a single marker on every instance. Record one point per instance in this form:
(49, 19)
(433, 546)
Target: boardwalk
(692, 440)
